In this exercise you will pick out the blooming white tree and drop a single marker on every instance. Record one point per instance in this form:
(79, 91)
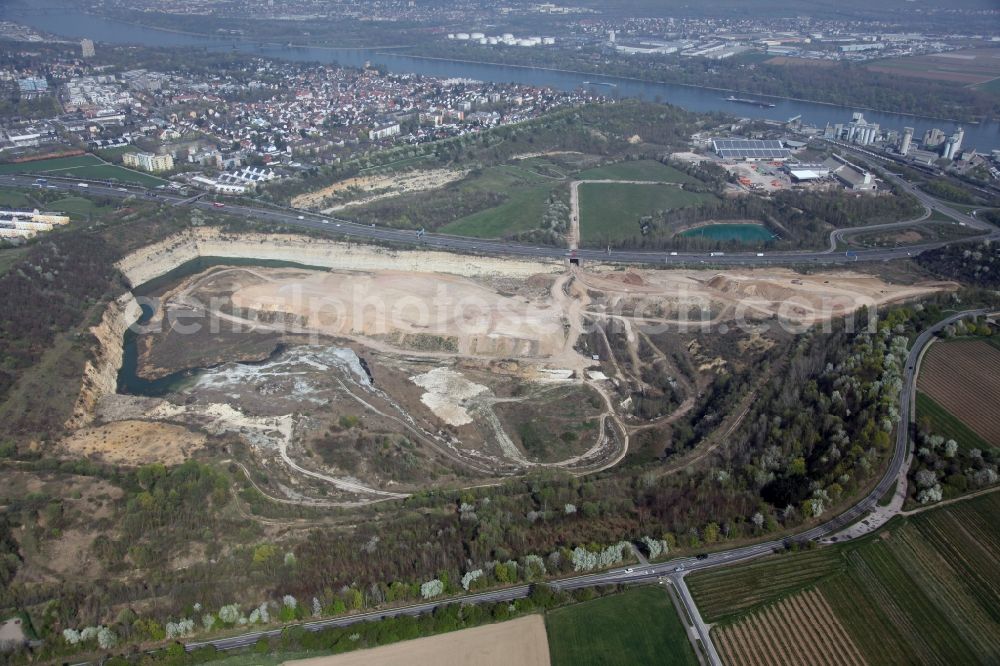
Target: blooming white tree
(208, 621)
(932, 494)
(614, 554)
(431, 588)
(470, 577)
(813, 508)
(758, 520)
(289, 601)
(88, 633)
(655, 547)
(230, 614)
(180, 628)
(317, 607)
(925, 478)
(106, 638)
(985, 477)
(534, 566)
(950, 448)
(583, 559)
(289, 559)
(569, 508)
(71, 636)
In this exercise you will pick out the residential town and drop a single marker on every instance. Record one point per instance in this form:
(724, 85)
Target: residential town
(232, 129)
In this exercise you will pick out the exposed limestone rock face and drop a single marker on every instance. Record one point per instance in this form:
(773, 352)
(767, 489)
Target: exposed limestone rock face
(100, 375)
(160, 258)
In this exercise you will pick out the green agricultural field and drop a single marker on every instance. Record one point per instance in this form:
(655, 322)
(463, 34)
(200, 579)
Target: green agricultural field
(522, 211)
(610, 212)
(729, 592)
(57, 163)
(640, 626)
(72, 206)
(110, 171)
(637, 170)
(924, 590)
(488, 203)
(944, 423)
(83, 166)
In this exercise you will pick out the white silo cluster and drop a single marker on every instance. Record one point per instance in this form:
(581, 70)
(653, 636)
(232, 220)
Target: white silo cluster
(506, 39)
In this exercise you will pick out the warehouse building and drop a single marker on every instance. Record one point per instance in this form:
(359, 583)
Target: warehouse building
(750, 150)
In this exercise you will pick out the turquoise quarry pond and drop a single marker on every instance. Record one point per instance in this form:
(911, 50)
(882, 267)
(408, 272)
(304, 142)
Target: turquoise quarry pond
(741, 233)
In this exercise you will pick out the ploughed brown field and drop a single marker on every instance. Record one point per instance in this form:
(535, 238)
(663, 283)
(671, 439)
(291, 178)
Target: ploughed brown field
(522, 641)
(801, 629)
(964, 378)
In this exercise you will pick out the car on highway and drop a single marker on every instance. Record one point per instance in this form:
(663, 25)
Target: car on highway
(82, 185)
(701, 556)
(300, 217)
(679, 569)
(629, 570)
(217, 204)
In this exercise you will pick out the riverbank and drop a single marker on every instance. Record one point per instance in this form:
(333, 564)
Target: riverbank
(487, 63)
(224, 40)
(73, 23)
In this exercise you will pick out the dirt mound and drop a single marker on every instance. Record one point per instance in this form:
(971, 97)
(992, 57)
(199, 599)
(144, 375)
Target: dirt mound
(136, 443)
(751, 288)
(633, 278)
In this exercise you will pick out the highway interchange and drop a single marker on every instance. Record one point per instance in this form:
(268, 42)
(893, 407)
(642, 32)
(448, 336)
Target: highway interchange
(674, 570)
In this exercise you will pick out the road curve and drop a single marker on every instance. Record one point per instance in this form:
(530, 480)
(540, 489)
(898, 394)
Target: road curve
(679, 567)
(674, 568)
(339, 228)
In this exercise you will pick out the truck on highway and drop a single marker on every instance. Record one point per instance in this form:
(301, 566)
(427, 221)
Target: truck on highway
(41, 182)
(716, 254)
(217, 204)
(82, 185)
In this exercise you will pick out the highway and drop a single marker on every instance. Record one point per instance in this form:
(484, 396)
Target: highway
(344, 229)
(674, 569)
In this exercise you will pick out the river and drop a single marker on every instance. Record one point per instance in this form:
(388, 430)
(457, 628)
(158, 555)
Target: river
(73, 23)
